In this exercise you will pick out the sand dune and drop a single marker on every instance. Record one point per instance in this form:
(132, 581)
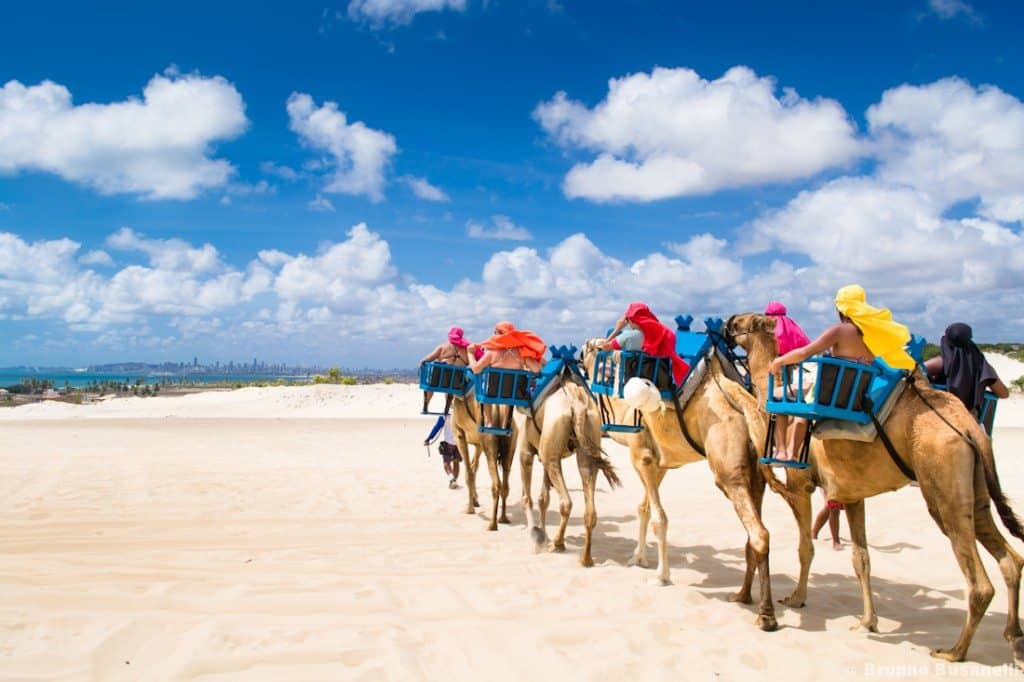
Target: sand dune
(174, 539)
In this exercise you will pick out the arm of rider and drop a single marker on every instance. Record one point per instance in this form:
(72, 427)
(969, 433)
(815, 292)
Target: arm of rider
(933, 367)
(615, 330)
(476, 366)
(797, 355)
(434, 354)
(999, 388)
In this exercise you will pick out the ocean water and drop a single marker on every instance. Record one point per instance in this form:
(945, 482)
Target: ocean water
(80, 379)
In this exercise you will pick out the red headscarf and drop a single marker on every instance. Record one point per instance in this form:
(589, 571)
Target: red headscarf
(659, 340)
(529, 344)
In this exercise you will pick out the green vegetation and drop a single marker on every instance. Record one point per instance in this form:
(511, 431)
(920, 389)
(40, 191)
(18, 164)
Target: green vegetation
(1018, 383)
(931, 351)
(334, 376)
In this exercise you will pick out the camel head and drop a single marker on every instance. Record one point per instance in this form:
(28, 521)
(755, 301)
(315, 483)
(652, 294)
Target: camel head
(754, 333)
(589, 353)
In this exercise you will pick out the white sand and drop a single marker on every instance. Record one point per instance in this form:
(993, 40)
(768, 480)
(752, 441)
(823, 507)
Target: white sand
(232, 536)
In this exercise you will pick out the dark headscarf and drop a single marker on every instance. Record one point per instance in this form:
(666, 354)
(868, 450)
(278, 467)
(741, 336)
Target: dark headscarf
(967, 372)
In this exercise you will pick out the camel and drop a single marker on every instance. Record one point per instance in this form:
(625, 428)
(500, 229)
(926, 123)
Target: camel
(567, 421)
(955, 471)
(466, 419)
(715, 420)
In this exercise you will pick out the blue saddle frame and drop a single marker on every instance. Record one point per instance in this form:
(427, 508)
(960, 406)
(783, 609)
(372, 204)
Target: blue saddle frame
(611, 373)
(440, 377)
(495, 386)
(847, 397)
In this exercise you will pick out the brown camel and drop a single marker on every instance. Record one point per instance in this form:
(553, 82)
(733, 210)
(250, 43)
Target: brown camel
(956, 473)
(566, 422)
(466, 420)
(715, 420)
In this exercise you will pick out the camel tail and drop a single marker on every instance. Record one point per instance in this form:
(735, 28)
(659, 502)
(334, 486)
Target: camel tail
(982, 445)
(586, 424)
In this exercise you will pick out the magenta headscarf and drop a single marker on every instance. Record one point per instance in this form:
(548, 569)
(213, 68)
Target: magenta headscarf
(456, 338)
(788, 334)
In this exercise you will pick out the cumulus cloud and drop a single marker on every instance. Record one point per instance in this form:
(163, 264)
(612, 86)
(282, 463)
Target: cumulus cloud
(671, 133)
(950, 9)
(422, 188)
(97, 257)
(954, 141)
(321, 204)
(158, 147)
(358, 155)
(382, 13)
(501, 228)
(279, 171)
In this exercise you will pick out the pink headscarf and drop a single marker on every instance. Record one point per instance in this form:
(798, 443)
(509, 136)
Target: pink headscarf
(455, 337)
(788, 334)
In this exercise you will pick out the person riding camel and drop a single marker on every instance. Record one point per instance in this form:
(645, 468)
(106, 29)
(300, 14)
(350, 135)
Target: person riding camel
(658, 339)
(509, 348)
(788, 336)
(452, 352)
(862, 334)
(963, 368)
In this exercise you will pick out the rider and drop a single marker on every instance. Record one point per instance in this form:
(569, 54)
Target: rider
(452, 352)
(509, 348)
(788, 336)
(658, 340)
(964, 369)
(862, 334)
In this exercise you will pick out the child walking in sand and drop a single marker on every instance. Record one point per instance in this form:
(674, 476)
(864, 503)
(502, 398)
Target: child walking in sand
(450, 456)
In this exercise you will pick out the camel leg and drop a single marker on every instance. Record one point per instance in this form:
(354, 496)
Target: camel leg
(651, 476)
(542, 504)
(643, 511)
(958, 522)
(747, 504)
(588, 475)
(1010, 563)
(862, 564)
(553, 469)
(526, 469)
(800, 505)
(492, 467)
(506, 454)
(470, 462)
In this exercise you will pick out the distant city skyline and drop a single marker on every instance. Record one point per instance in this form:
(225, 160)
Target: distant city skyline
(342, 185)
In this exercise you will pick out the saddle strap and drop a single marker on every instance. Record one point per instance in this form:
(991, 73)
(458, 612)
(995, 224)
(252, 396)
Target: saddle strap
(897, 460)
(682, 427)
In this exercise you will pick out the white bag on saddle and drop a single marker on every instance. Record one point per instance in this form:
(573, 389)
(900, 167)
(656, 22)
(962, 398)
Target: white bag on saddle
(642, 395)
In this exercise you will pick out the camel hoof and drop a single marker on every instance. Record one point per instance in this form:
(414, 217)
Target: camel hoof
(476, 503)
(587, 562)
(865, 627)
(1017, 647)
(640, 561)
(557, 547)
(470, 510)
(539, 537)
(767, 623)
(792, 602)
(740, 598)
(1012, 636)
(947, 655)
(492, 526)
(659, 582)
(504, 520)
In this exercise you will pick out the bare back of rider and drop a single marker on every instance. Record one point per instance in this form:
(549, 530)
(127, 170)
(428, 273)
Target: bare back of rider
(449, 354)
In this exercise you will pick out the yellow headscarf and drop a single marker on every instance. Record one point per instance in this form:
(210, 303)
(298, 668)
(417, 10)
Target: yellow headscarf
(883, 337)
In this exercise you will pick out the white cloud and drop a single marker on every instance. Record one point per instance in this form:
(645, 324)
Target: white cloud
(501, 227)
(168, 254)
(381, 13)
(279, 171)
(321, 204)
(955, 142)
(359, 155)
(950, 9)
(158, 147)
(671, 133)
(422, 188)
(101, 258)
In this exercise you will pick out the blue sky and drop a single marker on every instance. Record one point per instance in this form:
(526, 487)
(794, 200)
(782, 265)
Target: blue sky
(175, 180)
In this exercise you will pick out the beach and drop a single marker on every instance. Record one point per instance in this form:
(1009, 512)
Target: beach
(304, 533)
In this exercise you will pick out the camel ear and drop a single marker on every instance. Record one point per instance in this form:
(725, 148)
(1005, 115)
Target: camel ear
(763, 323)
